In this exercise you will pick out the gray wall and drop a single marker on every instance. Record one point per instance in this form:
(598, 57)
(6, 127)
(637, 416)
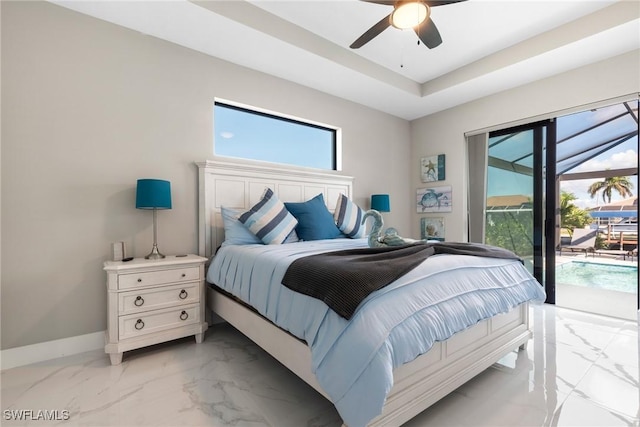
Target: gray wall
(88, 108)
(443, 132)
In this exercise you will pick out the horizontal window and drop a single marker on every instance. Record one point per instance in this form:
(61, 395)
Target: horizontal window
(257, 135)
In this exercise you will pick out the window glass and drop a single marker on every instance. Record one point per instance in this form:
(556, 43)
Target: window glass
(250, 134)
(598, 139)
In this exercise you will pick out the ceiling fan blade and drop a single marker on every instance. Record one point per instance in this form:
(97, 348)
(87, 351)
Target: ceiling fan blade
(372, 32)
(429, 34)
(386, 2)
(434, 3)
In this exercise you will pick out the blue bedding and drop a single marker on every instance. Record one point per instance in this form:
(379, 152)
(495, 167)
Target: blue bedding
(353, 359)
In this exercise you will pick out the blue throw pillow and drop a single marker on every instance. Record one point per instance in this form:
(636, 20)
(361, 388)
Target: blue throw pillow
(269, 220)
(315, 222)
(348, 217)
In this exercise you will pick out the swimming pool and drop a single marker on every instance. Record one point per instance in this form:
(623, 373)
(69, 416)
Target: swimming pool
(595, 275)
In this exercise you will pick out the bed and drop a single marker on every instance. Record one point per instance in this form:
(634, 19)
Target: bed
(364, 392)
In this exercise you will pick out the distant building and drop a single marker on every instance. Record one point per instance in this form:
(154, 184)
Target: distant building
(613, 212)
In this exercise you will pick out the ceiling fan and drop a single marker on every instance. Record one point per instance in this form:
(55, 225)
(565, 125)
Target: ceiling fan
(407, 14)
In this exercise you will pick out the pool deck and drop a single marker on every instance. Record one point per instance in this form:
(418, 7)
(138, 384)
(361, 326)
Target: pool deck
(602, 257)
(600, 301)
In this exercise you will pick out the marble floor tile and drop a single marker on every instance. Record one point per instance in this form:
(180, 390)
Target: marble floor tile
(580, 412)
(496, 398)
(605, 376)
(623, 349)
(630, 328)
(578, 370)
(550, 366)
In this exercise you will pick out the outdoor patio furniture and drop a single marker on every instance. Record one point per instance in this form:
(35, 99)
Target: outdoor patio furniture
(615, 252)
(582, 240)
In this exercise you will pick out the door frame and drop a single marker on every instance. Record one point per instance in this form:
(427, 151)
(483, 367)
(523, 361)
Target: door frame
(545, 194)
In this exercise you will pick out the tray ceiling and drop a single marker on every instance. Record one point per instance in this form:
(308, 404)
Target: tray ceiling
(488, 45)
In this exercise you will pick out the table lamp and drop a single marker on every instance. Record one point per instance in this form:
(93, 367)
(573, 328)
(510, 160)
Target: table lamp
(153, 194)
(380, 202)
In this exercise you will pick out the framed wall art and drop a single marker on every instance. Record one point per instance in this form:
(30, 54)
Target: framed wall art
(432, 168)
(432, 228)
(434, 199)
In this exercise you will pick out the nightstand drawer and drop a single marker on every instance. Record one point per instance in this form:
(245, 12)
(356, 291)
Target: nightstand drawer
(134, 325)
(160, 297)
(151, 278)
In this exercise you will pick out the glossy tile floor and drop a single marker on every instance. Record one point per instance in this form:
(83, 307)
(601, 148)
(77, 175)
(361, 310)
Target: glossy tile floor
(578, 370)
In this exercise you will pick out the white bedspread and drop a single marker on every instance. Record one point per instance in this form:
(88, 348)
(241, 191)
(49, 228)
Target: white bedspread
(353, 360)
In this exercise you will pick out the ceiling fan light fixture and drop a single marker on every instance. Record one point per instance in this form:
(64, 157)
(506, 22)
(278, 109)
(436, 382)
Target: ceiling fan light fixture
(409, 15)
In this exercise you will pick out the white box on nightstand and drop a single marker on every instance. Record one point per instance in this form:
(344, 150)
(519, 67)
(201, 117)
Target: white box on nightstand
(153, 301)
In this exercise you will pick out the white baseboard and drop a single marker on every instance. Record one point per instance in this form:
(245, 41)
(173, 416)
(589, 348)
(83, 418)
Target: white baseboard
(28, 354)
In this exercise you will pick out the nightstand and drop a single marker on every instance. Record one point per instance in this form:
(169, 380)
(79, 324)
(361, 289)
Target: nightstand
(153, 301)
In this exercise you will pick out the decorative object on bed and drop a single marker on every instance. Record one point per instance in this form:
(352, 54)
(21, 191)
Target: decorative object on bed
(348, 217)
(269, 220)
(315, 222)
(380, 202)
(153, 194)
(432, 228)
(379, 239)
(406, 346)
(435, 199)
(432, 168)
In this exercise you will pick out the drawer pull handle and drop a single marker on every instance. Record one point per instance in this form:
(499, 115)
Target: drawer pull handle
(139, 301)
(139, 280)
(139, 324)
(184, 315)
(183, 294)
(184, 275)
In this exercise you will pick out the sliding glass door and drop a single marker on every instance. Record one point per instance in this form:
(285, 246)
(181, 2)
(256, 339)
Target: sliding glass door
(515, 197)
(515, 178)
(509, 206)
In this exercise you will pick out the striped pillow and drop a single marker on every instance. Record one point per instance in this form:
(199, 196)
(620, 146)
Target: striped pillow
(269, 220)
(348, 217)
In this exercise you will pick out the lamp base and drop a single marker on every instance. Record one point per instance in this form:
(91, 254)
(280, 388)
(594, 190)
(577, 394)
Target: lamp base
(155, 253)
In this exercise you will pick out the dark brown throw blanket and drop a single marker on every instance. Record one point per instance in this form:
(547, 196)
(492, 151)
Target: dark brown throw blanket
(342, 279)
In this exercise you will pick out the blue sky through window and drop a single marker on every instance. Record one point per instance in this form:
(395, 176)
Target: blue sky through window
(252, 135)
(622, 156)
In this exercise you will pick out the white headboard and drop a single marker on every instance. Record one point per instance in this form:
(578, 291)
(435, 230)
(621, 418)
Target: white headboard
(239, 186)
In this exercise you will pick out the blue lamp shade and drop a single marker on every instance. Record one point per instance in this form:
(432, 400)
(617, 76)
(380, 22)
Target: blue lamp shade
(380, 202)
(153, 194)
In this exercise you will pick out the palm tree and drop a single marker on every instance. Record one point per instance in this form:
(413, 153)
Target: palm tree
(571, 216)
(620, 184)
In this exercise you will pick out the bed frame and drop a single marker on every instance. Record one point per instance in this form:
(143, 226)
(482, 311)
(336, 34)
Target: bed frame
(418, 384)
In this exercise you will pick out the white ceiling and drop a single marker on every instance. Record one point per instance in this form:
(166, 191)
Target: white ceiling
(488, 45)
